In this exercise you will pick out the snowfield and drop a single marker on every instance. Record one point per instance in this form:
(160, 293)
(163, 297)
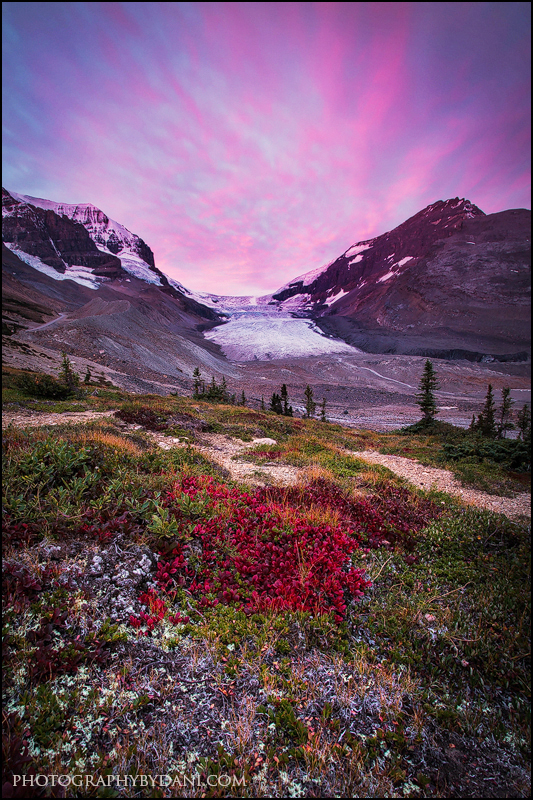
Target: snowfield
(82, 275)
(266, 333)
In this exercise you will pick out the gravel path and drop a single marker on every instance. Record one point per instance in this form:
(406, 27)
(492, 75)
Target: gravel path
(428, 478)
(221, 449)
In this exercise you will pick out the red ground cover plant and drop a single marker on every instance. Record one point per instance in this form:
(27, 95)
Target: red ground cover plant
(257, 556)
(392, 515)
(259, 551)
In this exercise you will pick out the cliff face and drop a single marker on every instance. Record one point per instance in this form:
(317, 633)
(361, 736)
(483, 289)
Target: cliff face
(59, 242)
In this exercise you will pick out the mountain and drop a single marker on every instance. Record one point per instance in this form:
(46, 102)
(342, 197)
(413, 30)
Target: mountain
(450, 282)
(75, 280)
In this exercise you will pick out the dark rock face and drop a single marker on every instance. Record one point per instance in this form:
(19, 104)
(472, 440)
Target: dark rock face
(450, 282)
(57, 240)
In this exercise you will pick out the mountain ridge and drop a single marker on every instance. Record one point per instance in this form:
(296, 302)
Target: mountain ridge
(422, 289)
(449, 282)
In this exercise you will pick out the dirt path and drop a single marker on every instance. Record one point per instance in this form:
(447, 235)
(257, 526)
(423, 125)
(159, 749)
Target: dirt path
(427, 478)
(221, 449)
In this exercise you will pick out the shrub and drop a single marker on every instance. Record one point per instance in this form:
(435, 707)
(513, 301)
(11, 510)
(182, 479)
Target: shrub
(512, 454)
(44, 386)
(143, 415)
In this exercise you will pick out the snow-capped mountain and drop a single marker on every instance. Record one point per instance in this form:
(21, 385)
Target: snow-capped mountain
(110, 237)
(450, 281)
(79, 242)
(75, 280)
(378, 259)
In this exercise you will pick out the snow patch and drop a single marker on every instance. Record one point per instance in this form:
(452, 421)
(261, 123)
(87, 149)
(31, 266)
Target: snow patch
(135, 265)
(385, 277)
(336, 297)
(82, 275)
(359, 247)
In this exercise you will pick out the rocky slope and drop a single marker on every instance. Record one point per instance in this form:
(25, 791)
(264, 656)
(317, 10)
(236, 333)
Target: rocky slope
(450, 282)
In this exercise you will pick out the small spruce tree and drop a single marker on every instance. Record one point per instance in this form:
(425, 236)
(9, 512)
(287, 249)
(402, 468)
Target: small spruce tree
(504, 423)
(243, 398)
(323, 410)
(87, 378)
(199, 385)
(523, 421)
(67, 374)
(486, 424)
(425, 398)
(284, 395)
(262, 403)
(275, 404)
(310, 404)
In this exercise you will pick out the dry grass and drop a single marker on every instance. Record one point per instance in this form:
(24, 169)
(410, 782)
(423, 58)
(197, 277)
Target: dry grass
(120, 443)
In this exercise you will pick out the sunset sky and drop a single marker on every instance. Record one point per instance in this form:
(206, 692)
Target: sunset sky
(247, 143)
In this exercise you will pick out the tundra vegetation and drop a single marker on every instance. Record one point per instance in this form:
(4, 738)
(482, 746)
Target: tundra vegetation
(347, 636)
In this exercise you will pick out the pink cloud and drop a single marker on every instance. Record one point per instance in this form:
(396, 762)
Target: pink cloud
(248, 143)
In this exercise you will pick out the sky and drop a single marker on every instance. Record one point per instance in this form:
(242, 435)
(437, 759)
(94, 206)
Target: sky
(248, 143)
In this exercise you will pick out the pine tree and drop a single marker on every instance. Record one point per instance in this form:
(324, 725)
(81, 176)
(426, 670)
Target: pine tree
(323, 410)
(67, 374)
(262, 403)
(523, 420)
(284, 395)
(504, 414)
(243, 398)
(486, 424)
(87, 378)
(275, 404)
(310, 405)
(425, 398)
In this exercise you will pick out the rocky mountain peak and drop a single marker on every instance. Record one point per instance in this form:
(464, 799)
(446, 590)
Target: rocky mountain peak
(373, 259)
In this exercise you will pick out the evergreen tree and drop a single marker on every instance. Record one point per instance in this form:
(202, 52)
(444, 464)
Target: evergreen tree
(284, 395)
(504, 414)
(310, 405)
(425, 398)
(262, 403)
(199, 386)
(323, 410)
(87, 378)
(243, 398)
(275, 404)
(486, 424)
(523, 420)
(67, 374)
